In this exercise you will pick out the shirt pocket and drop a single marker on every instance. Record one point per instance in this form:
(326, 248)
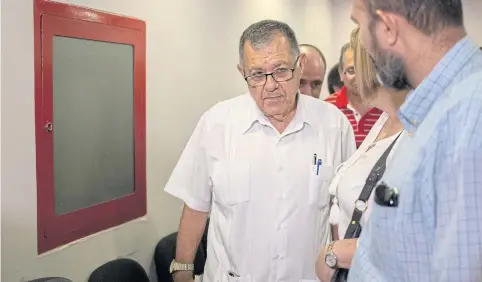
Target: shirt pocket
(231, 183)
(318, 186)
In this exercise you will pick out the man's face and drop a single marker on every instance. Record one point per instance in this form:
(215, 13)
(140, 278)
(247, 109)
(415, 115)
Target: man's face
(347, 72)
(274, 99)
(313, 73)
(390, 67)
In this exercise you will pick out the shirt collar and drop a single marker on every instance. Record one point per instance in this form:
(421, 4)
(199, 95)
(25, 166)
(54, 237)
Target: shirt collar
(421, 100)
(342, 102)
(351, 108)
(255, 115)
(341, 98)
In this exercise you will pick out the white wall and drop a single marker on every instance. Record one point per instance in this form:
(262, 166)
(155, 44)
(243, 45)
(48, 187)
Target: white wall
(342, 25)
(191, 64)
(473, 19)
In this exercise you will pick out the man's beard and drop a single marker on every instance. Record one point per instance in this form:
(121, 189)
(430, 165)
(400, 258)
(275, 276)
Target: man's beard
(391, 72)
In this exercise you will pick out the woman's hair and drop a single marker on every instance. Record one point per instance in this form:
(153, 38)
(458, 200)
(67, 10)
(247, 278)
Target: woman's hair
(366, 75)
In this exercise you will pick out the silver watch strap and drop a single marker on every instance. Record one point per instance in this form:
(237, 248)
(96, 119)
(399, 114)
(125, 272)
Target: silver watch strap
(177, 266)
(184, 267)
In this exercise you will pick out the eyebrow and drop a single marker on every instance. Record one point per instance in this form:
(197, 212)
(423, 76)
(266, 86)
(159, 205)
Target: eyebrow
(283, 63)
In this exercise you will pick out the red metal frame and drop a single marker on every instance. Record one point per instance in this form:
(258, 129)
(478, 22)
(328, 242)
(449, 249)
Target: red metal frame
(51, 19)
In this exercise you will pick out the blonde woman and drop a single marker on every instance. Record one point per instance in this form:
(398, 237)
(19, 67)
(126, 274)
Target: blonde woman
(351, 177)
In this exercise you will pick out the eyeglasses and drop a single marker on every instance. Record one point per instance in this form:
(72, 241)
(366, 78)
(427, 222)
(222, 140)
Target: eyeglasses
(386, 196)
(279, 75)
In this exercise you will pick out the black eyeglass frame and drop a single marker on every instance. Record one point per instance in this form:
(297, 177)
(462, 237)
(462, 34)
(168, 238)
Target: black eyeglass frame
(272, 74)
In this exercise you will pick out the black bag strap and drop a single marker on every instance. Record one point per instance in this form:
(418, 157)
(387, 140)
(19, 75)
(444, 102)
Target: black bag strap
(354, 229)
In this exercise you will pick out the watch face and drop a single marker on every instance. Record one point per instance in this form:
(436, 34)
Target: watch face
(330, 260)
(360, 205)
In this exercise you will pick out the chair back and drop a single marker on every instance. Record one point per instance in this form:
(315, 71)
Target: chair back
(166, 251)
(119, 270)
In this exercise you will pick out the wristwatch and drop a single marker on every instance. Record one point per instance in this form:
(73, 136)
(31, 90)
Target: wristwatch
(330, 258)
(177, 266)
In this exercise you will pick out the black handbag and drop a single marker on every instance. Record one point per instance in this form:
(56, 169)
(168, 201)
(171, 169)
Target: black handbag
(354, 229)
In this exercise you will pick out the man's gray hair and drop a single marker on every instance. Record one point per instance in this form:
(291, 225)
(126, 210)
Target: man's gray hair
(429, 16)
(262, 33)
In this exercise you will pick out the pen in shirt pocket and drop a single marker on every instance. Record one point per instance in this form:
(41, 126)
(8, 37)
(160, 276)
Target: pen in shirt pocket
(232, 274)
(318, 165)
(315, 157)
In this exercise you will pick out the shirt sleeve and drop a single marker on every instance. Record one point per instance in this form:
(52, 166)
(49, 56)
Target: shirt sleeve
(190, 179)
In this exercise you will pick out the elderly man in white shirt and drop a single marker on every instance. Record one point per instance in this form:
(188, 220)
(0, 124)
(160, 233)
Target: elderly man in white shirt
(260, 165)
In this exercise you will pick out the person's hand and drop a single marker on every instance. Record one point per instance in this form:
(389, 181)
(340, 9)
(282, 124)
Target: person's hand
(323, 271)
(183, 276)
(344, 251)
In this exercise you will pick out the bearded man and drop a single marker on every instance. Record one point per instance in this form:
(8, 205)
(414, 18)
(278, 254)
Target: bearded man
(426, 224)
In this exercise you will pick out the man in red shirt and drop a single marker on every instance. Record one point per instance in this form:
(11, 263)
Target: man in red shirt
(361, 116)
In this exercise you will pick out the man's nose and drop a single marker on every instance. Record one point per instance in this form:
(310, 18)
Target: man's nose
(271, 84)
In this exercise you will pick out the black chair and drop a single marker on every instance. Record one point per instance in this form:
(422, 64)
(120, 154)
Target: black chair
(119, 270)
(51, 279)
(166, 251)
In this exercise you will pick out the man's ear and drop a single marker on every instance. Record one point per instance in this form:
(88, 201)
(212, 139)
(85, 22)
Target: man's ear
(389, 24)
(302, 60)
(241, 71)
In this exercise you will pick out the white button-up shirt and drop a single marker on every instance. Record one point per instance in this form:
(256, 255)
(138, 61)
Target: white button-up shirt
(269, 205)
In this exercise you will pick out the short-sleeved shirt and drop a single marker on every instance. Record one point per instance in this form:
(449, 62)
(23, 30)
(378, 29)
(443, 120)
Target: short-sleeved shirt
(361, 124)
(268, 203)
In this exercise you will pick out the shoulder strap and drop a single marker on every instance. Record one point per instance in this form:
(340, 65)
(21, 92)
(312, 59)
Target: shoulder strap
(354, 229)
